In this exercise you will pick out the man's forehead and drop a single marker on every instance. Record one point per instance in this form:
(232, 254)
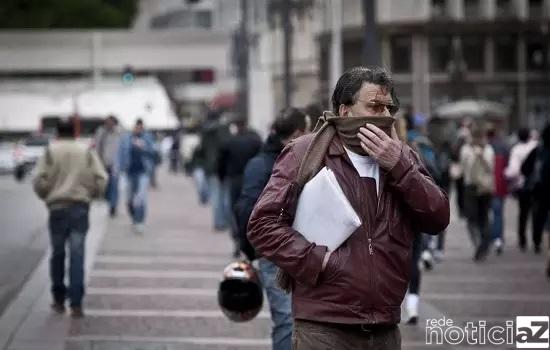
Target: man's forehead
(376, 92)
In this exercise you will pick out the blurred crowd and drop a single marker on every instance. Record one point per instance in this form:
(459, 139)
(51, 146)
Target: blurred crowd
(484, 167)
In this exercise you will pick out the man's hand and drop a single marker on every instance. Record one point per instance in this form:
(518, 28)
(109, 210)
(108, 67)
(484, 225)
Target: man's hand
(384, 149)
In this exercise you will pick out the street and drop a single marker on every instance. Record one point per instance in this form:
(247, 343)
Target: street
(24, 239)
(158, 291)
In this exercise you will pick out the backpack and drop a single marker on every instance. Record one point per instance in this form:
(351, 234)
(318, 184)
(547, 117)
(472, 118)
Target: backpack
(482, 176)
(534, 178)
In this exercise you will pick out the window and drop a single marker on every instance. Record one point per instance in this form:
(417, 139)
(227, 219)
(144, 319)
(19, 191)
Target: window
(401, 51)
(536, 8)
(472, 10)
(473, 50)
(506, 54)
(537, 52)
(439, 9)
(203, 19)
(504, 9)
(440, 53)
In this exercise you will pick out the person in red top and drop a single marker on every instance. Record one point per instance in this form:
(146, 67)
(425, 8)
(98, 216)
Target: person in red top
(501, 189)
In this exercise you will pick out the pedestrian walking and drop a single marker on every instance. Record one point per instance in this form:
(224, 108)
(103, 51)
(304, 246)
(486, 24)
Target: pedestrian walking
(457, 173)
(536, 170)
(500, 150)
(291, 124)
(174, 153)
(425, 250)
(420, 142)
(234, 153)
(350, 298)
(107, 142)
(157, 160)
(212, 135)
(68, 177)
(137, 160)
(196, 167)
(477, 159)
(516, 181)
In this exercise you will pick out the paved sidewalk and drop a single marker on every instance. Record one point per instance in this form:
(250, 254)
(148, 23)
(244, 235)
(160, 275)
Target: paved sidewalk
(158, 291)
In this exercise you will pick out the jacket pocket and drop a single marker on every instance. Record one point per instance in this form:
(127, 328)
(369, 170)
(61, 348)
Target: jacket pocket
(335, 264)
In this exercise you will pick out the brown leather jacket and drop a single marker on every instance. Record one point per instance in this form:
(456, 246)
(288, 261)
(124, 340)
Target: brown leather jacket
(366, 278)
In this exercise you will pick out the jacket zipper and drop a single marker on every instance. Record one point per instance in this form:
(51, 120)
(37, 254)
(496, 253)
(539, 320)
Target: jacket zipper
(281, 215)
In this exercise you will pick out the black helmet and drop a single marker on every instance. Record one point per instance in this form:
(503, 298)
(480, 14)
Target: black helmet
(240, 292)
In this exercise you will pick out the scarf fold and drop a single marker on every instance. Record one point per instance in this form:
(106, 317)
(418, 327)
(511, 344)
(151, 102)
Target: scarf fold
(327, 126)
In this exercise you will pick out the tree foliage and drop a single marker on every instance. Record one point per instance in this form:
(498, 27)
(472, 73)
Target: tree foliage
(45, 14)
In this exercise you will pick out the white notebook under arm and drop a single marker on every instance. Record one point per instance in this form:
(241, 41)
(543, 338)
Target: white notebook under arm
(324, 215)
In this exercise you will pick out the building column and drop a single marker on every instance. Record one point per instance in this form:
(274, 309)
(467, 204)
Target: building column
(336, 43)
(522, 118)
(490, 56)
(420, 75)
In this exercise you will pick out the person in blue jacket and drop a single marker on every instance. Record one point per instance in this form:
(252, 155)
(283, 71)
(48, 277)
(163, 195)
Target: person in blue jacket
(137, 156)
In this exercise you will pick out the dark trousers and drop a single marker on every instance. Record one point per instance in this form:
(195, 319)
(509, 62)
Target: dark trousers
(111, 193)
(478, 220)
(460, 198)
(309, 335)
(416, 274)
(68, 226)
(525, 201)
(540, 215)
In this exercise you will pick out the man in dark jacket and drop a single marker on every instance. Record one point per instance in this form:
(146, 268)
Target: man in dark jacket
(212, 133)
(350, 298)
(234, 153)
(291, 124)
(536, 169)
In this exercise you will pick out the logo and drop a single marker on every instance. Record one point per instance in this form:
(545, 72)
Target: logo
(529, 332)
(532, 332)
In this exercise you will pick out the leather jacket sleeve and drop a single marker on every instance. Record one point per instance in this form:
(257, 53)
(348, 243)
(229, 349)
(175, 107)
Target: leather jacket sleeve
(428, 205)
(269, 228)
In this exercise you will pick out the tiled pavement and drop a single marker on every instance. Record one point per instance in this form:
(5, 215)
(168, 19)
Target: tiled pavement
(158, 291)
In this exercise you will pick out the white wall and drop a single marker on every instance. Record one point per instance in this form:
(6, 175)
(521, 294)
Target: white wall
(73, 50)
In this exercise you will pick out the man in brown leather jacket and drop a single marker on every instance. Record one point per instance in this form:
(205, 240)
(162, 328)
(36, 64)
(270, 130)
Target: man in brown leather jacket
(350, 298)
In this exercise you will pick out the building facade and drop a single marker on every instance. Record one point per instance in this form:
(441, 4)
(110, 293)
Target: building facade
(441, 50)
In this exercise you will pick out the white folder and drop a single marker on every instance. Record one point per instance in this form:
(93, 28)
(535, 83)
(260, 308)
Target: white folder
(324, 215)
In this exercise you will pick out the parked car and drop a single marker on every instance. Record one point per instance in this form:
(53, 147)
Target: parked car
(7, 160)
(27, 153)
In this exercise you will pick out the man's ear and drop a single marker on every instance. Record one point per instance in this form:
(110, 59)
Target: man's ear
(343, 110)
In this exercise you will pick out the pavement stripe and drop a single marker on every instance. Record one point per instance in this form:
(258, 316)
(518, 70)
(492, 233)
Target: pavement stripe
(164, 313)
(482, 279)
(526, 298)
(176, 340)
(156, 274)
(199, 340)
(152, 291)
(142, 260)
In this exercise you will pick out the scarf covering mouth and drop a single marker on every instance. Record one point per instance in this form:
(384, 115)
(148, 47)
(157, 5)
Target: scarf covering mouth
(348, 128)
